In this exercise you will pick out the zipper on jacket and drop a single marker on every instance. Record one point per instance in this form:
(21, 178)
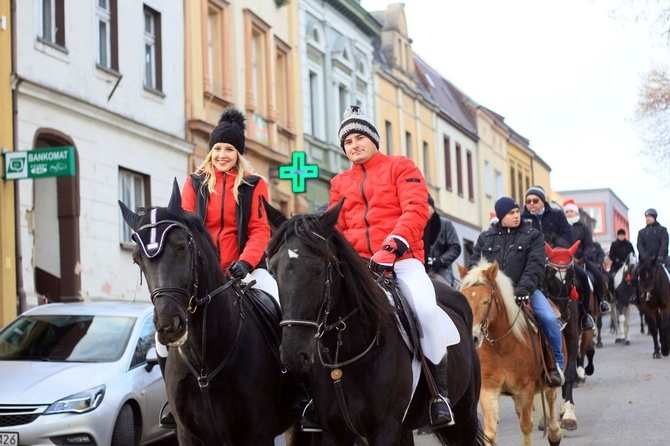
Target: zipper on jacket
(223, 202)
(365, 213)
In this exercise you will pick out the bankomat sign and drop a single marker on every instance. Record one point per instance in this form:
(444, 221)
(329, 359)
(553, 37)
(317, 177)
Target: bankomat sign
(41, 163)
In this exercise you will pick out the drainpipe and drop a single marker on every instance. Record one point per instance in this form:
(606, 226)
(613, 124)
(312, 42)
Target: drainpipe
(22, 304)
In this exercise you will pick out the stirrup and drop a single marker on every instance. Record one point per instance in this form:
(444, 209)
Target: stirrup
(308, 421)
(587, 323)
(439, 417)
(605, 307)
(167, 420)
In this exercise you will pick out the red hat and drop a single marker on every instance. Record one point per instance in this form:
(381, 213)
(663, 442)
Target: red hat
(570, 205)
(493, 218)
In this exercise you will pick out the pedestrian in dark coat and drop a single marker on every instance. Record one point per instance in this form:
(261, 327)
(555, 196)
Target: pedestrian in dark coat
(442, 245)
(549, 221)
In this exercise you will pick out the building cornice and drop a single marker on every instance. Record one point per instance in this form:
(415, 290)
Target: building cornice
(358, 16)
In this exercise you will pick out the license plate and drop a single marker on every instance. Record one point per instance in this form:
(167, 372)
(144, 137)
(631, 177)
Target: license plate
(9, 438)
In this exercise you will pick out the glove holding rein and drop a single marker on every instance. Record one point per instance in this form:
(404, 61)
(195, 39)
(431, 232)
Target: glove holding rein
(383, 260)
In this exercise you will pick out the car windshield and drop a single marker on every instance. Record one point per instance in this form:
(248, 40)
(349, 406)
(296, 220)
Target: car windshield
(67, 338)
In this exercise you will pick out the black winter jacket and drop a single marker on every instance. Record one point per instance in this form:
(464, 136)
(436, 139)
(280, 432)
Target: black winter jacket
(443, 247)
(652, 240)
(619, 252)
(585, 248)
(553, 224)
(519, 252)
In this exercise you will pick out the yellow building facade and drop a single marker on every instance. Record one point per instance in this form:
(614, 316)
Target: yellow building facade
(241, 54)
(8, 299)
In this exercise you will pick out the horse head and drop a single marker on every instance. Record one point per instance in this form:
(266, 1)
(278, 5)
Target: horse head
(303, 263)
(559, 276)
(167, 255)
(647, 271)
(491, 296)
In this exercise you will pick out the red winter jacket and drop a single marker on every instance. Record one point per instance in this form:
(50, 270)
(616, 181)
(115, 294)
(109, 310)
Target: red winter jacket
(221, 220)
(385, 196)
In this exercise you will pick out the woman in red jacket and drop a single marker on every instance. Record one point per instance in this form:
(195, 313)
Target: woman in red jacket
(383, 216)
(226, 192)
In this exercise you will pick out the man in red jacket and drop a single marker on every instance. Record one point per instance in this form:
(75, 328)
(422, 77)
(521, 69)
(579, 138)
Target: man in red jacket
(383, 216)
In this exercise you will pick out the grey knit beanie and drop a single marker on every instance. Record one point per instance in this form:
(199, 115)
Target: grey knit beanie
(356, 122)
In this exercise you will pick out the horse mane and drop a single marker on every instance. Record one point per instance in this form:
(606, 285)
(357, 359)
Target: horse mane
(370, 300)
(477, 277)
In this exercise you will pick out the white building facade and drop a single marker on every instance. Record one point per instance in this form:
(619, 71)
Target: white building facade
(106, 78)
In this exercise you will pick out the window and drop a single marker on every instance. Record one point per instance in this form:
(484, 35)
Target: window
(597, 214)
(447, 162)
(512, 181)
(132, 192)
(258, 71)
(499, 184)
(487, 179)
(388, 131)
(342, 98)
(408, 145)
(152, 50)
(215, 48)
(315, 105)
(519, 184)
(283, 87)
(144, 343)
(52, 15)
(107, 34)
(471, 182)
(459, 171)
(426, 163)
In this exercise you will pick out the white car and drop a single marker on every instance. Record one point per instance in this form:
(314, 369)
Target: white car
(77, 373)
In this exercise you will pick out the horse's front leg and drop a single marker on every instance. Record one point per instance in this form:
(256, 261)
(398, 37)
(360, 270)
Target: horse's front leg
(489, 400)
(554, 429)
(523, 404)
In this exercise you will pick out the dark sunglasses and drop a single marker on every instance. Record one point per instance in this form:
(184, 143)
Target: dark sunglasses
(532, 201)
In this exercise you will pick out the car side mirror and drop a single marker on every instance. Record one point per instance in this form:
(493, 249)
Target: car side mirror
(152, 359)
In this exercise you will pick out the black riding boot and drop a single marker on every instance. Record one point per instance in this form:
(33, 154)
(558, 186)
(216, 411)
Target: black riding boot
(440, 411)
(167, 420)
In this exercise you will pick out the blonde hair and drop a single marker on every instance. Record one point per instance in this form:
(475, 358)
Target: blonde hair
(209, 171)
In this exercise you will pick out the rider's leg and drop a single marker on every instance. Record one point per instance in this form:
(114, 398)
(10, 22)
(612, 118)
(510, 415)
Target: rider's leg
(167, 420)
(437, 331)
(440, 411)
(551, 330)
(587, 320)
(598, 285)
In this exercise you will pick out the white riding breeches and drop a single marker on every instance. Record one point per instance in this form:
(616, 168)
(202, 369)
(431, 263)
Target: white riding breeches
(436, 329)
(264, 282)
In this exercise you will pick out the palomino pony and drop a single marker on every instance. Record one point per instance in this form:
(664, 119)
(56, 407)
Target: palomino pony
(654, 300)
(508, 351)
(624, 292)
(559, 287)
(224, 381)
(340, 329)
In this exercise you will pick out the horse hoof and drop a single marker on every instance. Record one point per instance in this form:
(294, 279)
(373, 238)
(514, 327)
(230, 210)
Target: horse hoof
(569, 425)
(589, 369)
(599, 344)
(618, 341)
(657, 356)
(627, 342)
(555, 443)
(665, 352)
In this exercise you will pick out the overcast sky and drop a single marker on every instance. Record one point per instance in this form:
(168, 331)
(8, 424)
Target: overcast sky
(565, 75)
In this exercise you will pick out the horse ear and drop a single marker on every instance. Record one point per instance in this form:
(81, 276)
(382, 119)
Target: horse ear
(573, 248)
(329, 218)
(492, 272)
(174, 206)
(548, 249)
(130, 217)
(275, 217)
(462, 271)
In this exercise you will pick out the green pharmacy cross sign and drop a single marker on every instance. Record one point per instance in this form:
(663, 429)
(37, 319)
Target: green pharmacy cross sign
(298, 172)
(40, 163)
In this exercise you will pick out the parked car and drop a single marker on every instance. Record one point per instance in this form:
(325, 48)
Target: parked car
(77, 373)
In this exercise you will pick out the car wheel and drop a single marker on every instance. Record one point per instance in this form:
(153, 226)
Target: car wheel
(124, 428)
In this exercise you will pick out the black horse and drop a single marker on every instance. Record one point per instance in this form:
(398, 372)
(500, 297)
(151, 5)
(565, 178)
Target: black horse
(653, 290)
(339, 328)
(562, 288)
(224, 380)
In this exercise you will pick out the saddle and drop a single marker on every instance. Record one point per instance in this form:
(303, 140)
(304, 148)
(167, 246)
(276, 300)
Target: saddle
(405, 319)
(547, 364)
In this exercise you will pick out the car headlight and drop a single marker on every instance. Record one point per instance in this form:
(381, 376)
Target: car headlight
(83, 402)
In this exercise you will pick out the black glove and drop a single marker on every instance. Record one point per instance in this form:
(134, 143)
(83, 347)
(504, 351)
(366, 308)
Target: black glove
(239, 269)
(395, 245)
(438, 263)
(520, 300)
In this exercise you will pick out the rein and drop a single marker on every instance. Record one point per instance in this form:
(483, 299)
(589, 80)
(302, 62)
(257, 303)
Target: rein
(322, 327)
(484, 324)
(562, 271)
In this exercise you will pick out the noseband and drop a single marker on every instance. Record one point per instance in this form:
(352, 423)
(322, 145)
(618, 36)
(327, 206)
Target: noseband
(484, 323)
(562, 273)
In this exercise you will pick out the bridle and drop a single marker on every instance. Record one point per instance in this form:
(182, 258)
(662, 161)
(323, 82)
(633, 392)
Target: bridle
(562, 274)
(321, 326)
(484, 323)
(151, 250)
